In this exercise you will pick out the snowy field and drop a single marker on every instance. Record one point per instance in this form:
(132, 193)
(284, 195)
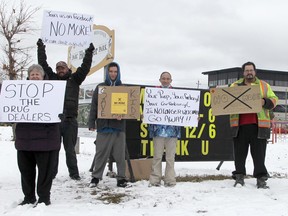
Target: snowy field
(214, 197)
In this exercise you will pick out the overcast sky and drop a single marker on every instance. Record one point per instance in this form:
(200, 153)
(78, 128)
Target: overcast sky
(184, 37)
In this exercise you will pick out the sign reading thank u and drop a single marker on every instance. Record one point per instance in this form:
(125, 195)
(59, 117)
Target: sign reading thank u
(103, 40)
(235, 100)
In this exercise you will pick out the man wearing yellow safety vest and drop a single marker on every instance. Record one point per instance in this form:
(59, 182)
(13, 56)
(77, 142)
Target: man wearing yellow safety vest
(252, 129)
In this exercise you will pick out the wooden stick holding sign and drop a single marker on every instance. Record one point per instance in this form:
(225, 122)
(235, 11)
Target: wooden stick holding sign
(236, 100)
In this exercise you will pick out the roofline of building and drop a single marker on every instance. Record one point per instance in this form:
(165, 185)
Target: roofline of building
(240, 69)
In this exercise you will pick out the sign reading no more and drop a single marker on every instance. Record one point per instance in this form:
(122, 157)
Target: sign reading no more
(65, 28)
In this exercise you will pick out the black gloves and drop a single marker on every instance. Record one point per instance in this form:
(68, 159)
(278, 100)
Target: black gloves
(91, 48)
(40, 43)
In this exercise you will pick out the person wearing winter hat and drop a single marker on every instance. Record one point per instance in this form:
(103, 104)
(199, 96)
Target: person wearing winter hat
(69, 124)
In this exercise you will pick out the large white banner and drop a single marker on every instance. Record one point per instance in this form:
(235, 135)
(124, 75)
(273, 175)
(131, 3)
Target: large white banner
(31, 101)
(65, 28)
(168, 106)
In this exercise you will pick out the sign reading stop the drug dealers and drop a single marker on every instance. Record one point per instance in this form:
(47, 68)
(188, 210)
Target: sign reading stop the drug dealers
(31, 101)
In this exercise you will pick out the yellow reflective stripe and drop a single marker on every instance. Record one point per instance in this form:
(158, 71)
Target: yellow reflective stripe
(264, 123)
(234, 122)
(264, 88)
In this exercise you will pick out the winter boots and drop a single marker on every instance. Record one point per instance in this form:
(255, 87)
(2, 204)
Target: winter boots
(239, 179)
(45, 200)
(261, 182)
(27, 200)
(122, 183)
(94, 182)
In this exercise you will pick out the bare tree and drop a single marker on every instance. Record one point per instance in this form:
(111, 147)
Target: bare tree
(14, 23)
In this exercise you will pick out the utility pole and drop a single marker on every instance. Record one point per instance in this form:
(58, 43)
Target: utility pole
(285, 106)
(198, 84)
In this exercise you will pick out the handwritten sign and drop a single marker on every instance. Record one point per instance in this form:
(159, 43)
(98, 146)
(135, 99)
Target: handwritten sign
(166, 106)
(235, 100)
(31, 101)
(119, 100)
(103, 40)
(64, 28)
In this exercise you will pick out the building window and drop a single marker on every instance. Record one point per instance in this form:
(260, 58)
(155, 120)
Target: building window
(222, 82)
(280, 95)
(280, 108)
(212, 83)
(231, 80)
(281, 83)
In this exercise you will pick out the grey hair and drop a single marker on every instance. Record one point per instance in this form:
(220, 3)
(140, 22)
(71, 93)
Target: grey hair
(36, 67)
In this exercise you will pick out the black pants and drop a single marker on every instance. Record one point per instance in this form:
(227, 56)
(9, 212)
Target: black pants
(45, 161)
(69, 133)
(247, 136)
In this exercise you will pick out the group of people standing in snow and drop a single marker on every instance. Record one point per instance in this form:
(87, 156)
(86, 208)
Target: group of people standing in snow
(38, 144)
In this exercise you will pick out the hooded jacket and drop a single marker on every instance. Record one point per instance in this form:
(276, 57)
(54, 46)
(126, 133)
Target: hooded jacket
(74, 80)
(105, 125)
(264, 115)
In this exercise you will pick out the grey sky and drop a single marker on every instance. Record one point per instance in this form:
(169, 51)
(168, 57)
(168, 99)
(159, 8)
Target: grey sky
(184, 37)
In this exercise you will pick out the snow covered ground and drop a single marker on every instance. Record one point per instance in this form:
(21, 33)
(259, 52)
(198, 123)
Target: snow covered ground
(213, 197)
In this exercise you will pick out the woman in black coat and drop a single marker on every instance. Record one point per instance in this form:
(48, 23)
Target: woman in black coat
(38, 145)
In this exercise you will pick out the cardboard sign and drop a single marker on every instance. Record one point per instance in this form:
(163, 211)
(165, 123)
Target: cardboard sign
(119, 100)
(65, 28)
(141, 169)
(236, 100)
(103, 40)
(31, 101)
(166, 106)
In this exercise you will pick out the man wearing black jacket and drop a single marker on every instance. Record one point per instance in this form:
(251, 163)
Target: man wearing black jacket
(69, 124)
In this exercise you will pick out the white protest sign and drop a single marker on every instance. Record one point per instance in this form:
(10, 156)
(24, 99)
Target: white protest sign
(103, 40)
(166, 106)
(70, 29)
(31, 101)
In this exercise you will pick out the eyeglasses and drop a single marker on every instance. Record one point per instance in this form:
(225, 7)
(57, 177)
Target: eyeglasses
(249, 70)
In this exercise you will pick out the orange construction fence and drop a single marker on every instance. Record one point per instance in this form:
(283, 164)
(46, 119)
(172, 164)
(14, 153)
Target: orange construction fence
(279, 130)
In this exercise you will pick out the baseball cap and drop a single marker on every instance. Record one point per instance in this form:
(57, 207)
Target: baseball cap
(61, 64)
